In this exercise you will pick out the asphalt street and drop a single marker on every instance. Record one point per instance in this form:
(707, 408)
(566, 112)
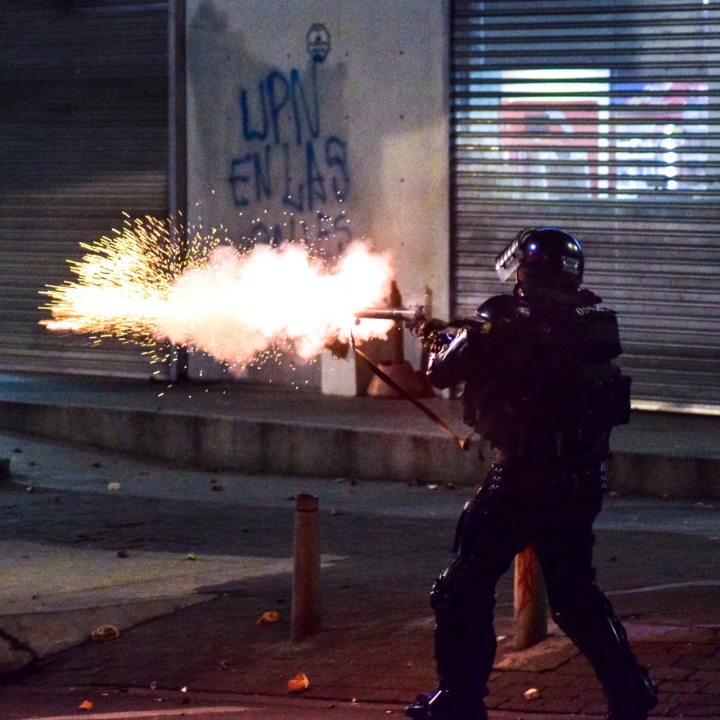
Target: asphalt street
(94, 500)
(189, 559)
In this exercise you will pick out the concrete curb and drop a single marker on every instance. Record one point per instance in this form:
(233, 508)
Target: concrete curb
(664, 475)
(216, 441)
(28, 637)
(231, 443)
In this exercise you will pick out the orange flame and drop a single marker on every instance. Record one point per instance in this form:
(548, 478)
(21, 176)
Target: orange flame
(229, 304)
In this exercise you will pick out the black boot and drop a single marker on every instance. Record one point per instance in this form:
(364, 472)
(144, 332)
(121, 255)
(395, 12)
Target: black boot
(447, 705)
(601, 638)
(635, 700)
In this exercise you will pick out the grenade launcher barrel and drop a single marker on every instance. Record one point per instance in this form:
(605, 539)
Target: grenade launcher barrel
(413, 316)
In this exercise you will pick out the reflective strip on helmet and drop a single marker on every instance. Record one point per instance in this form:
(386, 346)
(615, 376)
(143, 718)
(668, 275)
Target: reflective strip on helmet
(508, 261)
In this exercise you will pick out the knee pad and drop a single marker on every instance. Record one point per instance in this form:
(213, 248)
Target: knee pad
(447, 586)
(463, 588)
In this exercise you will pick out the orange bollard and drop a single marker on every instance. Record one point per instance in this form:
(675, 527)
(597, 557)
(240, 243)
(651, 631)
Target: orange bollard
(531, 605)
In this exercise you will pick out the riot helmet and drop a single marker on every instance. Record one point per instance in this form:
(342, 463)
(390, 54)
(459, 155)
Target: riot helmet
(545, 254)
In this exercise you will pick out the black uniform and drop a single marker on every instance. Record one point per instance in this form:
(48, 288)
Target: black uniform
(540, 386)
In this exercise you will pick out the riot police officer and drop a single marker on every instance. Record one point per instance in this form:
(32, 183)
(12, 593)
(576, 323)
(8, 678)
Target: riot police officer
(541, 387)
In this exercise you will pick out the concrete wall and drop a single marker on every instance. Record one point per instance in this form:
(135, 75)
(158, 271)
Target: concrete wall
(285, 141)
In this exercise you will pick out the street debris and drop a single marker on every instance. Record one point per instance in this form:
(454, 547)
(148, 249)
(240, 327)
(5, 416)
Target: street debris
(105, 632)
(113, 486)
(122, 553)
(267, 618)
(97, 463)
(532, 694)
(299, 683)
(153, 685)
(17, 449)
(191, 556)
(216, 488)
(29, 488)
(336, 511)
(85, 705)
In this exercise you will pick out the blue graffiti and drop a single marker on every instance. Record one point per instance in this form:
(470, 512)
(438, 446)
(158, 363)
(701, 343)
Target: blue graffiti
(290, 160)
(325, 227)
(273, 94)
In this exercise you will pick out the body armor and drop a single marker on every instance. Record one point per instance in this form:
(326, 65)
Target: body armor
(539, 381)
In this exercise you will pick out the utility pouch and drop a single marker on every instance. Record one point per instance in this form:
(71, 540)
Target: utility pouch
(606, 395)
(622, 401)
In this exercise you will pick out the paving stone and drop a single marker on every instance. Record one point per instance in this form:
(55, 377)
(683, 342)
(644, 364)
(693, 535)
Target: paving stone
(695, 649)
(696, 662)
(659, 674)
(710, 676)
(706, 713)
(682, 686)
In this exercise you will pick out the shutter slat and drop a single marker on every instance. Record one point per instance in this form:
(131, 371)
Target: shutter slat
(84, 137)
(604, 121)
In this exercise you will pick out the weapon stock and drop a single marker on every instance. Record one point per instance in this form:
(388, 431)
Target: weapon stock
(414, 319)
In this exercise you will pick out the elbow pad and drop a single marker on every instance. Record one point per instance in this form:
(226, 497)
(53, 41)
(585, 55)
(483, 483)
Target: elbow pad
(445, 367)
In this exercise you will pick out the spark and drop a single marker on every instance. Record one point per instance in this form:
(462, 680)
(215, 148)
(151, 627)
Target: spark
(241, 307)
(123, 282)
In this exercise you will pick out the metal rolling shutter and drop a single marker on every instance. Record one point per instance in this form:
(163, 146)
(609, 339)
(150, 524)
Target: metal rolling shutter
(601, 119)
(83, 128)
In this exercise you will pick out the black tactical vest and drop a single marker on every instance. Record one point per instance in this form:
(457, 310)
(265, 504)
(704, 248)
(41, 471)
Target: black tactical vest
(542, 388)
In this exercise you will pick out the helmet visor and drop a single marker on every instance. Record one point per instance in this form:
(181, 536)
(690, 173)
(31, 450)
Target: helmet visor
(508, 261)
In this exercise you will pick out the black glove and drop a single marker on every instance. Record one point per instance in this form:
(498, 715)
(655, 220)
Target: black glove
(428, 333)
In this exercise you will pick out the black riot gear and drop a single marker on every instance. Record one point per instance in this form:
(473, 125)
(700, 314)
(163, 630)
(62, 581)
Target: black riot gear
(541, 386)
(544, 254)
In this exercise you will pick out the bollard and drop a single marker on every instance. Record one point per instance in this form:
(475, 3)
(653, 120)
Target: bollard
(531, 605)
(305, 618)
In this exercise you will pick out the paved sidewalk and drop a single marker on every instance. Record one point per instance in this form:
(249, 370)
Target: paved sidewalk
(384, 544)
(237, 426)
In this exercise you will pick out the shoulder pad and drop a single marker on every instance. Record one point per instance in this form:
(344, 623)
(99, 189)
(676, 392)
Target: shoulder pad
(502, 307)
